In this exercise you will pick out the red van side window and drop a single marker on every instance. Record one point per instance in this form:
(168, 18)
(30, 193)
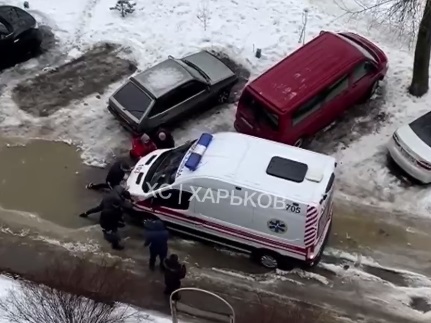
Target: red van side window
(338, 88)
(316, 103)
(304, 111)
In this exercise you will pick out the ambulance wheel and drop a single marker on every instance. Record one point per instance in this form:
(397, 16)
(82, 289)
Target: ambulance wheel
(266, 258)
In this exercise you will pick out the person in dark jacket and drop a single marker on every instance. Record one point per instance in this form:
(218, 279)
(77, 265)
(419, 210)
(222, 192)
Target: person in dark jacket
(117, 194)
(174, 272)
(115, 175)
(111, 218)
(164, 139)
(157, 238)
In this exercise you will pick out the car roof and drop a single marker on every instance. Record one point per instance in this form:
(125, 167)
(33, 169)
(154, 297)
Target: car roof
(163, 77)
(16, 17)
(306, 71)
(242, 160)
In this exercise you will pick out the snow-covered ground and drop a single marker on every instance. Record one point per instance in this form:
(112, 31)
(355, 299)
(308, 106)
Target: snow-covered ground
(7, 284)
(172, 27)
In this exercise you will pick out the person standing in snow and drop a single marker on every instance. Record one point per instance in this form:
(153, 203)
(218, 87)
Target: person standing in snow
(115, 176)
(174, 272)
(157, 237)
(141, 146)
(164, 139)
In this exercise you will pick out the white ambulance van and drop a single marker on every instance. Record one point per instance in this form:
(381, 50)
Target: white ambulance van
(265, 198)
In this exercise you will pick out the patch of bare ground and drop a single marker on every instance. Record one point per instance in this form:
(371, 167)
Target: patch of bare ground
(46, 93)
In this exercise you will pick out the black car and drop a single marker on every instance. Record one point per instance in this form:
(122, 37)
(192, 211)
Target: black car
(20, 38)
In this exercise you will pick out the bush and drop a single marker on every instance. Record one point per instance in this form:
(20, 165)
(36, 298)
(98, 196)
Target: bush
(70, 293)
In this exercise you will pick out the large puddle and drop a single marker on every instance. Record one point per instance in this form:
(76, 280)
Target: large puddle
(48, 179)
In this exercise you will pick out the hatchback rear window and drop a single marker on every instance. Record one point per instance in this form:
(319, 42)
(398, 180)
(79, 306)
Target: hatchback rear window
(261, 113)
(133, 99)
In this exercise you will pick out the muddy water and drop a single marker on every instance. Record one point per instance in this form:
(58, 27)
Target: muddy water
(46, 178)
(404, 245)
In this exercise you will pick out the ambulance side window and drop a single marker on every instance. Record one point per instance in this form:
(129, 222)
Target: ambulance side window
(174, 199)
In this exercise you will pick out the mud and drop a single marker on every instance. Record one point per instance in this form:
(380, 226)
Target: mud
(46, 178)
(91, 73)
(357, 121)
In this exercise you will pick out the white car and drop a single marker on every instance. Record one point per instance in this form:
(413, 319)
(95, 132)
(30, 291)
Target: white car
(257, 196)
(410, 148)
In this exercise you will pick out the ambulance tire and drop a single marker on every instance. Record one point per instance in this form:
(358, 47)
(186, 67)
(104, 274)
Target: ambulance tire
(266, 258)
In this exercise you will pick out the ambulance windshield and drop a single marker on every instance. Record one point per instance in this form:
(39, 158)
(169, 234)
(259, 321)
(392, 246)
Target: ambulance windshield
(164, 169)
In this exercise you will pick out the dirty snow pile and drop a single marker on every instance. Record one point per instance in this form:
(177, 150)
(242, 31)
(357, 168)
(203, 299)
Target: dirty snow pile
(176, 27)
(7, 284)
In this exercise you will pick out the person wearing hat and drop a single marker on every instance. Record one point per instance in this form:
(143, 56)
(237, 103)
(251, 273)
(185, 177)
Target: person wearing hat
(115, 176)
(141, 146)
(164, 139)
(174, 273)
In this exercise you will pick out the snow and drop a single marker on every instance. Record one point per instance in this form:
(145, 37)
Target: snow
(238, 29)
(164, 79)
(7, 284)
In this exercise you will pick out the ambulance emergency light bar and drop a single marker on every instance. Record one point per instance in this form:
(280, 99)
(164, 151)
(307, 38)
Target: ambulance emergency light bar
(199, 150)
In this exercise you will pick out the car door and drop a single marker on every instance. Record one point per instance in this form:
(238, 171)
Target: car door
(176, 103)
(175, 205)
(335, 101)
(305, 121)
(193, 95)
(361, 80)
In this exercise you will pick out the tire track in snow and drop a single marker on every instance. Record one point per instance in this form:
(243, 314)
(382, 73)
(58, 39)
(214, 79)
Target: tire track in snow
(87, 14)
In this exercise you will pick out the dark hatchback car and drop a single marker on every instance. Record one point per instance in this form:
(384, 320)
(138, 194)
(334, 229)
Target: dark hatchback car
(20, 38)
(170, 90)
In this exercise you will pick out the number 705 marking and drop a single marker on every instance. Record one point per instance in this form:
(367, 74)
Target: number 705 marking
(294, 208)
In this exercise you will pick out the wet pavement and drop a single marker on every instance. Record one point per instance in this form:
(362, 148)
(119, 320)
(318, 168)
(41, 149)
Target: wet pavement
(47, 162)
(46, 178)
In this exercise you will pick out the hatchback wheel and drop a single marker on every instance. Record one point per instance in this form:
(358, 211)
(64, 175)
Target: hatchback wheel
(223, 96)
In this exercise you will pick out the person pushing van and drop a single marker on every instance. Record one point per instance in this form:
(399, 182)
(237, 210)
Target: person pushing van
(117, 194)
(115, 175)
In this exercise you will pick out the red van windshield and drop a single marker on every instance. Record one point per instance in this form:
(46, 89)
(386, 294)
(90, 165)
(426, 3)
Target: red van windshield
(259, 111)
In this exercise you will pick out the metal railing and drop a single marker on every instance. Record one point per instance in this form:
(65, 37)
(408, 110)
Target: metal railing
(178, 307)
